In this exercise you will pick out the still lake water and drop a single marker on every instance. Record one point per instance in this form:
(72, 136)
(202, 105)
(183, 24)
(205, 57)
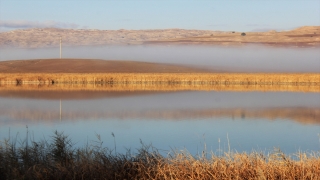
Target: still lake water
(179, 120)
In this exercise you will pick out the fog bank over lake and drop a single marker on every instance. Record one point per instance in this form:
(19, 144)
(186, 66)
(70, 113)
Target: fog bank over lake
(228, 59)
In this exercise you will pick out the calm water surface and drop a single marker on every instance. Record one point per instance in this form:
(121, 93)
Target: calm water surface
(178, 120)
(251, 120)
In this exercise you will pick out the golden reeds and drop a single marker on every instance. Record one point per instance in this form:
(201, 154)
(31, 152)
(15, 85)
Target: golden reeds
(213, 78)
(163, 81)
(158, 87)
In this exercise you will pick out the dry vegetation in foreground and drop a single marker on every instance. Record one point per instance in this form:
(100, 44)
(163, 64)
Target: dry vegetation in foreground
(60, 160)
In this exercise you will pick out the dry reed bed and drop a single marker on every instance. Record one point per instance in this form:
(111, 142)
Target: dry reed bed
(158, 87)
(163, 81)
(58, 159)
(208, 78)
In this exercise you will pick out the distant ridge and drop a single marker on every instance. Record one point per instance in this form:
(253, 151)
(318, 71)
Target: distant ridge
(49, 37)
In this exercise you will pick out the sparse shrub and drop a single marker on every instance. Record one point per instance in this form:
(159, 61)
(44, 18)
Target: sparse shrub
(243, 34)
(62, 148)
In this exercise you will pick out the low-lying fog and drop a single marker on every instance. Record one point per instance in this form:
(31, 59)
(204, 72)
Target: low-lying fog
(236, 59)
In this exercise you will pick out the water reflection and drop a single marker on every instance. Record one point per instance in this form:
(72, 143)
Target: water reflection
(32, 116)
(184, 119)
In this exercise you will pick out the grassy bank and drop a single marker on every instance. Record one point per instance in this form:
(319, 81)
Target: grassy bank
(161, 81)
(59, 159)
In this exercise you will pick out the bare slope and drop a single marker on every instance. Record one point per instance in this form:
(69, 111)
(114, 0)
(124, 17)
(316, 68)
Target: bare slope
(90, 66)
(73, 95)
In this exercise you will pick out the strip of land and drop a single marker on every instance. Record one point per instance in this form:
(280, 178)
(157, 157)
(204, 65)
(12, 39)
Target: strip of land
(306, 36)
(300, 37)
(81, 74)
(77, 66)
(36, 92)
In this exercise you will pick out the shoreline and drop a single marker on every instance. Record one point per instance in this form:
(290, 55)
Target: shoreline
(90, 74)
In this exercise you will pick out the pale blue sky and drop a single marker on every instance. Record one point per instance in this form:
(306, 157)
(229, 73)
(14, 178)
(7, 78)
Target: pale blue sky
(239, 15)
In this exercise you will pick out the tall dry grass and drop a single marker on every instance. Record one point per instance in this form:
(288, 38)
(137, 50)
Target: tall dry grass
(59, 159)
(162, 82)
(134, 78)
(165, 81)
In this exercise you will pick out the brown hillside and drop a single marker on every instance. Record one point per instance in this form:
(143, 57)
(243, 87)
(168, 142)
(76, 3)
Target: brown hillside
(90, 66)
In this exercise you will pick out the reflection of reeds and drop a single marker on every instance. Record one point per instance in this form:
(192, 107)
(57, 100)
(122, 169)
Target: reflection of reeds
(301, 115)
(58, 159)
(162, 82)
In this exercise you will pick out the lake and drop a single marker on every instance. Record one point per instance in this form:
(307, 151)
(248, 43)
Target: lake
(191, 120)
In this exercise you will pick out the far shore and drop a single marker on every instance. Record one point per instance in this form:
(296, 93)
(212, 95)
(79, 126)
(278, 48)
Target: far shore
(80, 74)
(306, 36)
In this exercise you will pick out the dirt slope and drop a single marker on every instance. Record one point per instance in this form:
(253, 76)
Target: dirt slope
(90, 66)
